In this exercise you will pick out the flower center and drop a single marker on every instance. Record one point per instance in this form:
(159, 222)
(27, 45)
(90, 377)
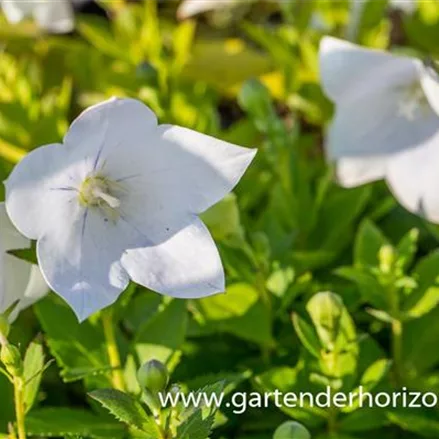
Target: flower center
(413, 102)
(96, 191)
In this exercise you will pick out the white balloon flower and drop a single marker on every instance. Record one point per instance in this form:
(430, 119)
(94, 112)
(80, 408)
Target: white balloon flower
(19, 280)
(385, 124)
(119, 201)
(55, 16)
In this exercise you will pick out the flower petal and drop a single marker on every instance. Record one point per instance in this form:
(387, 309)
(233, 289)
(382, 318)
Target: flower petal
(376, 125)
(19, 280)
(39, 186)
(193, 171)
(413, 177)
(187, 265)
(55, 16)
(80, 258)
(36, 289)
(111, 130)
(14, 273)
(353, 171)
(349, 71)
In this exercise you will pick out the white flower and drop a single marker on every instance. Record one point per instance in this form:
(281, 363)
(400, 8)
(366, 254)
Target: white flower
(385, 125)
(19, 280)
(52, 15)
(119, 201)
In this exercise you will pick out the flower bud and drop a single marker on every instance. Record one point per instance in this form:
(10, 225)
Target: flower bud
(291, 430)
(387, 258)
(153, 376)
(4, 327)
(10, 356)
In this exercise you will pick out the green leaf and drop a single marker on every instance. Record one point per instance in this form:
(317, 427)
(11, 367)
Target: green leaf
(368, 243)
(426, 275)
(420, 342)
(407, 248)
(182, 42)
(417, 423)
(287, 379)
(337, 216)
(223, 219)
(195, 427)
(236, 302)
(239, 312)
(365, 419)
(425, 304)
(162, 336)
(33, 370)
(62, 422)
(371, 290)
(26, 254)
(97, 32)
(375, 373)
(210, 392)
(79, 349)
(125, 408)
(307, 336)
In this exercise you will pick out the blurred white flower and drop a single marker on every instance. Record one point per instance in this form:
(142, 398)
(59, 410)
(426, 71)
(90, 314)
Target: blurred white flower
(189, 8)
(119, 201)
(385, 125)
(55, 16)
(19, 280)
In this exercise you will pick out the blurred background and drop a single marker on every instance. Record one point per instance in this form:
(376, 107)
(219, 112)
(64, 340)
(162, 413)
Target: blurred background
(247, 72)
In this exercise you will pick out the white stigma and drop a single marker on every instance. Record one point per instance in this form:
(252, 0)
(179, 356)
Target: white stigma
(113, 202)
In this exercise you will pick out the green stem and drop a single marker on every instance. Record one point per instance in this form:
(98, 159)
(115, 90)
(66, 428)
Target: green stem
(117, 377)
(397, 331)
(19, 406)
(332, 421)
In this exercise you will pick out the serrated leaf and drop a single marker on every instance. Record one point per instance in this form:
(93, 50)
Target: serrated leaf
(62, 422)
(207, 399)
(33, 368)
(195, 427)
(230, 380)
(125, 408)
